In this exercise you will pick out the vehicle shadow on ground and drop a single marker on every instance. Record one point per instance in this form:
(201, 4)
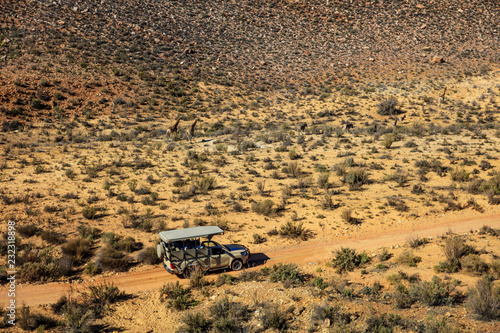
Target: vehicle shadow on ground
(257, 259)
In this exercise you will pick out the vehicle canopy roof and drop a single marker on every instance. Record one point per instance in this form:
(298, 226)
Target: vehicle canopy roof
(188, 233)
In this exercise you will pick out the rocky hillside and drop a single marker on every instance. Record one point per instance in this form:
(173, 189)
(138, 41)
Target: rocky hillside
(303, 47)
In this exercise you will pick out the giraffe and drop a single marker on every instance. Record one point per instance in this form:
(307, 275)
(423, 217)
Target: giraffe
(400, 119)
(443, 95)
(173, 129)
(190, 130)
(347, 126)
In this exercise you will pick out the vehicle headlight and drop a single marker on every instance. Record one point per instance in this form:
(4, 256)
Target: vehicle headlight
(244, 253)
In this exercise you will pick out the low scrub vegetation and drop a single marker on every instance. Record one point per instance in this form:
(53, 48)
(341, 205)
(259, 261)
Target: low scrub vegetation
(346, 260)
(177, 296)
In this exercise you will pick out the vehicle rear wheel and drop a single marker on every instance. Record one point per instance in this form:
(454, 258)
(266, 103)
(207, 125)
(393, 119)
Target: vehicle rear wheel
(236, 265)
(189, 272)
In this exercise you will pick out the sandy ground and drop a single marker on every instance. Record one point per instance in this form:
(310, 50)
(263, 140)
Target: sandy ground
(142, 281)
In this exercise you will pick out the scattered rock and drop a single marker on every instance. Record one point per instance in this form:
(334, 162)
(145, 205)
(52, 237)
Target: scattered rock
(437, 60)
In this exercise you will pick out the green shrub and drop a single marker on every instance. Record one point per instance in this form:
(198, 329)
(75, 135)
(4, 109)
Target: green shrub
(434, 292)
(206, 183)
(227, 309)
(448, 266)
(194, 323)
(459, 175)
(128, 244)
(258, 239)
(39, 272)
(99, 297)
(294, 230)
(79, 317)
(293, 155)
(246, 275)
(484, 300)
(408, 258)
(264, 207)
(90, 212)
(384, 255)
(346, 260)
(92, 269)
(288, 274)
(319, 283)
(223, 279)
(388, 140)
(178, 297)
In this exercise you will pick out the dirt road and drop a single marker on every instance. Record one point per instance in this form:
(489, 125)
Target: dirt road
(134, 282)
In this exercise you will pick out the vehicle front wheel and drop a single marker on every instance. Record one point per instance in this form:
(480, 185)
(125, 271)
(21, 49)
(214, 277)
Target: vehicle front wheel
(236, 265)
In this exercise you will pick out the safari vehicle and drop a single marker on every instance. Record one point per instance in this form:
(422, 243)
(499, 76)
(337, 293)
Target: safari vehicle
(183, 252)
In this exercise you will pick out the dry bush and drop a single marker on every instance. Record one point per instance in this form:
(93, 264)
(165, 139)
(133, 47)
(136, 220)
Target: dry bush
(459, 175)
(473, 264)
(334, 314)
(388, 107)
(27, 230)
(195, 322)
(30, 322)
(355, 178)
(265, 207)
(110, 259)
(323, 180)
(78, 249)
(294, 169)
(90, 212)
(149, 256)
(53, 237)
(348, 218)
(484, 300)
(455, 248)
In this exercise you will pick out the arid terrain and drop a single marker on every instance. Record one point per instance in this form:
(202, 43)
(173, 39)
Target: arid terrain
(352, 146)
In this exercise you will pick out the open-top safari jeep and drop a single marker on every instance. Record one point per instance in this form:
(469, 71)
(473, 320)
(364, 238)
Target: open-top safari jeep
(184, 253)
